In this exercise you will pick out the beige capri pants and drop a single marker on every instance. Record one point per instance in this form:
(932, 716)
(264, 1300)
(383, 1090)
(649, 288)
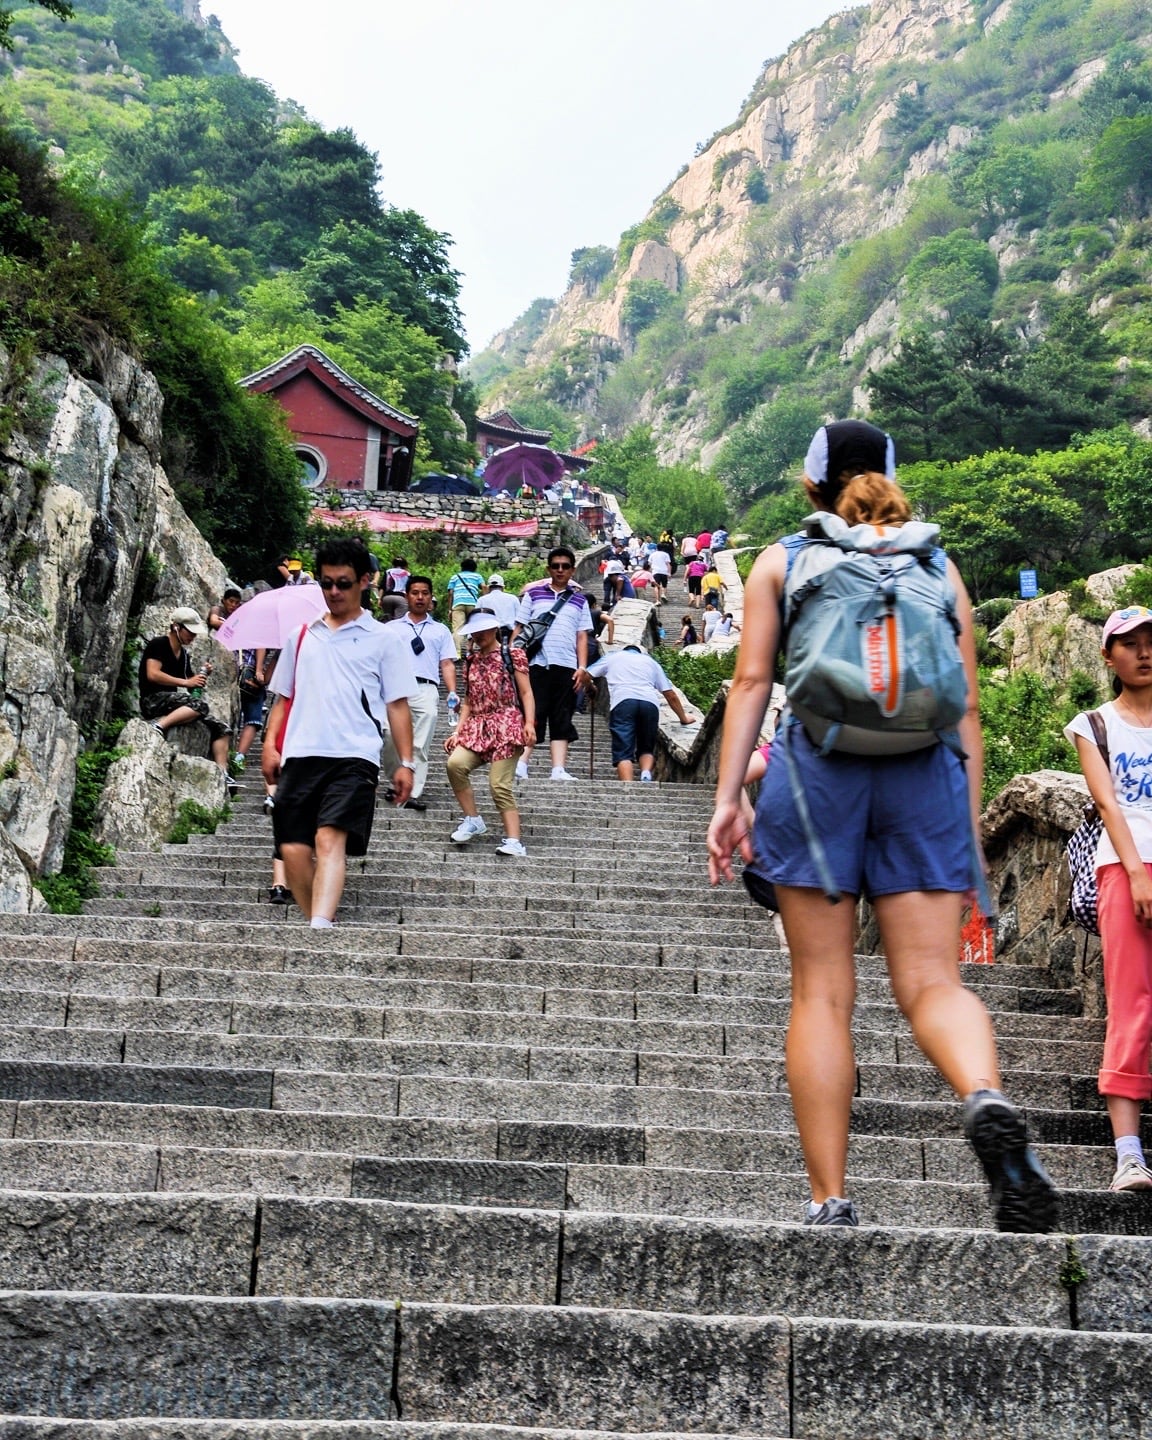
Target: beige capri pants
(501, 775)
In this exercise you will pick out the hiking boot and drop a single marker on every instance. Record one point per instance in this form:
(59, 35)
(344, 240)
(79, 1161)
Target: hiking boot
(279, 895)
(468, 829)
(834, 1211)
(1024, 1199)
(1131, 1175)
(512, 847)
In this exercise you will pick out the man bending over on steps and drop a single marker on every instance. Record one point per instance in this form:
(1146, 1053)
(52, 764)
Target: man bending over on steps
(346, 676)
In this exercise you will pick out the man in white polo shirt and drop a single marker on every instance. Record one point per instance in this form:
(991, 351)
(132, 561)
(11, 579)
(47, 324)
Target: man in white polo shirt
(347, 676)
(502, 605)
(433, 659)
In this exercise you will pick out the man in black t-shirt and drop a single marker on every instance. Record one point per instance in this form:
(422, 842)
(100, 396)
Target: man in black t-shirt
(167, 681)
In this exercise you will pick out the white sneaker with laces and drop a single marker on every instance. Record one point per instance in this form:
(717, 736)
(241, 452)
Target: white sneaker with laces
(559, 773)
(1131, 1175)
(469, 827)
(521, 770)
(512, 847)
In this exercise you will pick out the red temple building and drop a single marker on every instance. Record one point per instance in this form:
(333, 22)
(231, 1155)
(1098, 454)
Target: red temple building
(347, 438)
(494, 432)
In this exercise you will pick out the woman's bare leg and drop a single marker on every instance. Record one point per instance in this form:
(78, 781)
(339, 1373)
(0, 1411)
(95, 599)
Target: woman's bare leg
(921, 935)
(821, 1062)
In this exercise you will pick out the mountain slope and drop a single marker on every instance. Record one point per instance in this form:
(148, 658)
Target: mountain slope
(902, 167)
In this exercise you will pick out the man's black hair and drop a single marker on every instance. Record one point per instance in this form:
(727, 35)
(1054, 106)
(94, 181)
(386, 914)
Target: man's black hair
(468, 562)
(231, 593)
(344, 550)
(421, 580)
(561, 550)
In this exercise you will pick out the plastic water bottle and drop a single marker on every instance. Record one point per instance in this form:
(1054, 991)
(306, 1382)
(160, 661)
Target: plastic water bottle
(453, 710)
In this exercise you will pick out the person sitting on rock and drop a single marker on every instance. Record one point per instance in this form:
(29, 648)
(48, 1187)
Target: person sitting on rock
(171, 691)
(229, 604)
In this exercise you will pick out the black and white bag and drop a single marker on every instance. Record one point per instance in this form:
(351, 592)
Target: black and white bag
(1082, 846)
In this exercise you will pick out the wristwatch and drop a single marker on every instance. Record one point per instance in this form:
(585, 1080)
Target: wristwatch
(408, 764)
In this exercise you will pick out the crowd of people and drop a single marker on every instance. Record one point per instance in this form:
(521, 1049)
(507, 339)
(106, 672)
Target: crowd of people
(845, 808)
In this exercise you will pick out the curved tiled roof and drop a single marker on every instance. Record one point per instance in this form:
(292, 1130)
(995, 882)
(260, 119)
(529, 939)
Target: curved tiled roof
(313, 359)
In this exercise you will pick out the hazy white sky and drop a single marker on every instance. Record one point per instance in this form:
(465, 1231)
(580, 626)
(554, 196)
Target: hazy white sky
(523, 128)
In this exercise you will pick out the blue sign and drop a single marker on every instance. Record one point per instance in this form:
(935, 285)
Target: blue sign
(1028, 586)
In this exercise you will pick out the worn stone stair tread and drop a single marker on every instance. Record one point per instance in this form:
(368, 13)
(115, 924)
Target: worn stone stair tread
(41, 1428)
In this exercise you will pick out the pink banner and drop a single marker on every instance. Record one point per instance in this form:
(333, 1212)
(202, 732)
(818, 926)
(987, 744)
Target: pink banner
(379, 521)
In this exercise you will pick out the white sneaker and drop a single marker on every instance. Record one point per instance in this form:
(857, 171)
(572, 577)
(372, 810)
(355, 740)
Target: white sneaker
(469, 827)
(646, 776)
(521, 770)
(559, 773)
(1131, 1175)
(512, 847)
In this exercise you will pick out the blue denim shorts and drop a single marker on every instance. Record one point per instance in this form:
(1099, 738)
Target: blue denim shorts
(889, 824)
(634, 725)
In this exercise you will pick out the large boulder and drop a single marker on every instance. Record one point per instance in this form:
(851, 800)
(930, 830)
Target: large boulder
(145, 789)
(1047, 637)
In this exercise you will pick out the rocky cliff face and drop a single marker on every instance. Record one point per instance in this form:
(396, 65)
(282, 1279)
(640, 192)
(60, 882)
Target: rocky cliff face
(86, 512)
(789, 134)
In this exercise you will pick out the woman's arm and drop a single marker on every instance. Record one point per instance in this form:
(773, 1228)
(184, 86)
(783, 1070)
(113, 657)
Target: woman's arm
(528, 701)
(744, 714)
(971, 735)
(1100, 787)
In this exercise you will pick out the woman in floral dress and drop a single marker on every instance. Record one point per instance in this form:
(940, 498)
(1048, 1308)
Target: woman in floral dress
(497, 720)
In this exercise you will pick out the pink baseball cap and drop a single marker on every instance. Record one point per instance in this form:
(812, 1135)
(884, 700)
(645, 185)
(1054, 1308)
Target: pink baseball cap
(1121, 621)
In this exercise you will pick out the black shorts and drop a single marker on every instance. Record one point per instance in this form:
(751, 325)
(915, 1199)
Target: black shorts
(694, 582)
(633, 725)
(319, 790)
(555, 701)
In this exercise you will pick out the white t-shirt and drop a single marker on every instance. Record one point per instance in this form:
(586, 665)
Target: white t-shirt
(631, 676)
(559, 646)
(660, 563)
(1130, 759)
(438, 645)
(502, 605)
(711, 624)
(336, 668)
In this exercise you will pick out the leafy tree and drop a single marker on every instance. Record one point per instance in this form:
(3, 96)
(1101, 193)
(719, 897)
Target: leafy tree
(590, 264)
(644, 303)
(1119, 174)
(956, 273)
(677, 497)
(61, 8)
(761, 455)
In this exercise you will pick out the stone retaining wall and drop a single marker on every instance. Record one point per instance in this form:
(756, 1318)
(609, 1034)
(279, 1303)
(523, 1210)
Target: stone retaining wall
(491, 551)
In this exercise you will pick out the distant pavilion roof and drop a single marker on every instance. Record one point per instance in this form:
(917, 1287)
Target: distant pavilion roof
(504, 424)
(313, 360)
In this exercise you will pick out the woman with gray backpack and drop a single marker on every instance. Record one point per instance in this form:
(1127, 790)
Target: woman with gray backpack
(873, 790)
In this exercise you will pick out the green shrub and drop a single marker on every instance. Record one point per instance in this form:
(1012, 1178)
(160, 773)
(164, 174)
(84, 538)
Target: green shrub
(67, 891)
(1082, 604)
(1137, 590)
(990, 612)
(1023, 719)
(195, 819)
(699, 676)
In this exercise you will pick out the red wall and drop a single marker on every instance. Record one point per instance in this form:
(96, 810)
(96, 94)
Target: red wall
(318, 419)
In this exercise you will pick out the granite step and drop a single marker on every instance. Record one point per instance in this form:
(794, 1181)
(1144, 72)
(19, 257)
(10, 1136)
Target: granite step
(365, 1248)
(541, 1366)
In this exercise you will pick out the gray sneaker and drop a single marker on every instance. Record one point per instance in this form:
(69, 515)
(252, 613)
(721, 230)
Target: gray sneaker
(1023, 1197)
(834, 1211)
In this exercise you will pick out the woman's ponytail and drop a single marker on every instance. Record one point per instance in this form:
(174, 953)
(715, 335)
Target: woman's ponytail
(872, 499)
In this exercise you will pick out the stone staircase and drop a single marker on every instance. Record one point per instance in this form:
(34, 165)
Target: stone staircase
(511, 1147)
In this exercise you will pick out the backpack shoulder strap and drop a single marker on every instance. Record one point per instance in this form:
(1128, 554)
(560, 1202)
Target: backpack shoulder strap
(1100, 734)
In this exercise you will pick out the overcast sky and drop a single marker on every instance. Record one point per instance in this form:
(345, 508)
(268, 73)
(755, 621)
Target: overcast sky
(523, 128)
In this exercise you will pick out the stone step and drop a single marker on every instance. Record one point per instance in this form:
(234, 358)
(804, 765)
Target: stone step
(555, 1366)
(363, 1249)
(101, 1166)
(32, 1428)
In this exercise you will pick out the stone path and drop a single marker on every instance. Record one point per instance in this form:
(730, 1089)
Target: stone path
(511, 1148)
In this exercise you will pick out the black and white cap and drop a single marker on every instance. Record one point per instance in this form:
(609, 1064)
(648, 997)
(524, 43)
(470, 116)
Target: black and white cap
(844, 443)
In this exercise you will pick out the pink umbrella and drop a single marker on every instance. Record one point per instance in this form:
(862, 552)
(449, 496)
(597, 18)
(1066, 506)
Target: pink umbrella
(267, 621)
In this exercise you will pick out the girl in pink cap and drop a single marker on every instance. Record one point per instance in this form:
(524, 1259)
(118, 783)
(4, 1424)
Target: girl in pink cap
(1120, 779)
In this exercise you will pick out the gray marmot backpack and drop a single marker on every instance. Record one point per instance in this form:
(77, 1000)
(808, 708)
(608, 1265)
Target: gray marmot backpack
(873, 664)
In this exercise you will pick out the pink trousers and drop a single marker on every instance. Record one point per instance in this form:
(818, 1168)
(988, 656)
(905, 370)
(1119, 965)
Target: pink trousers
(1127, 949)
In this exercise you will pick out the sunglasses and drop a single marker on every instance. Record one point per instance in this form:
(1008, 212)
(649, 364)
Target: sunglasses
(560, 565)
(343, 584)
